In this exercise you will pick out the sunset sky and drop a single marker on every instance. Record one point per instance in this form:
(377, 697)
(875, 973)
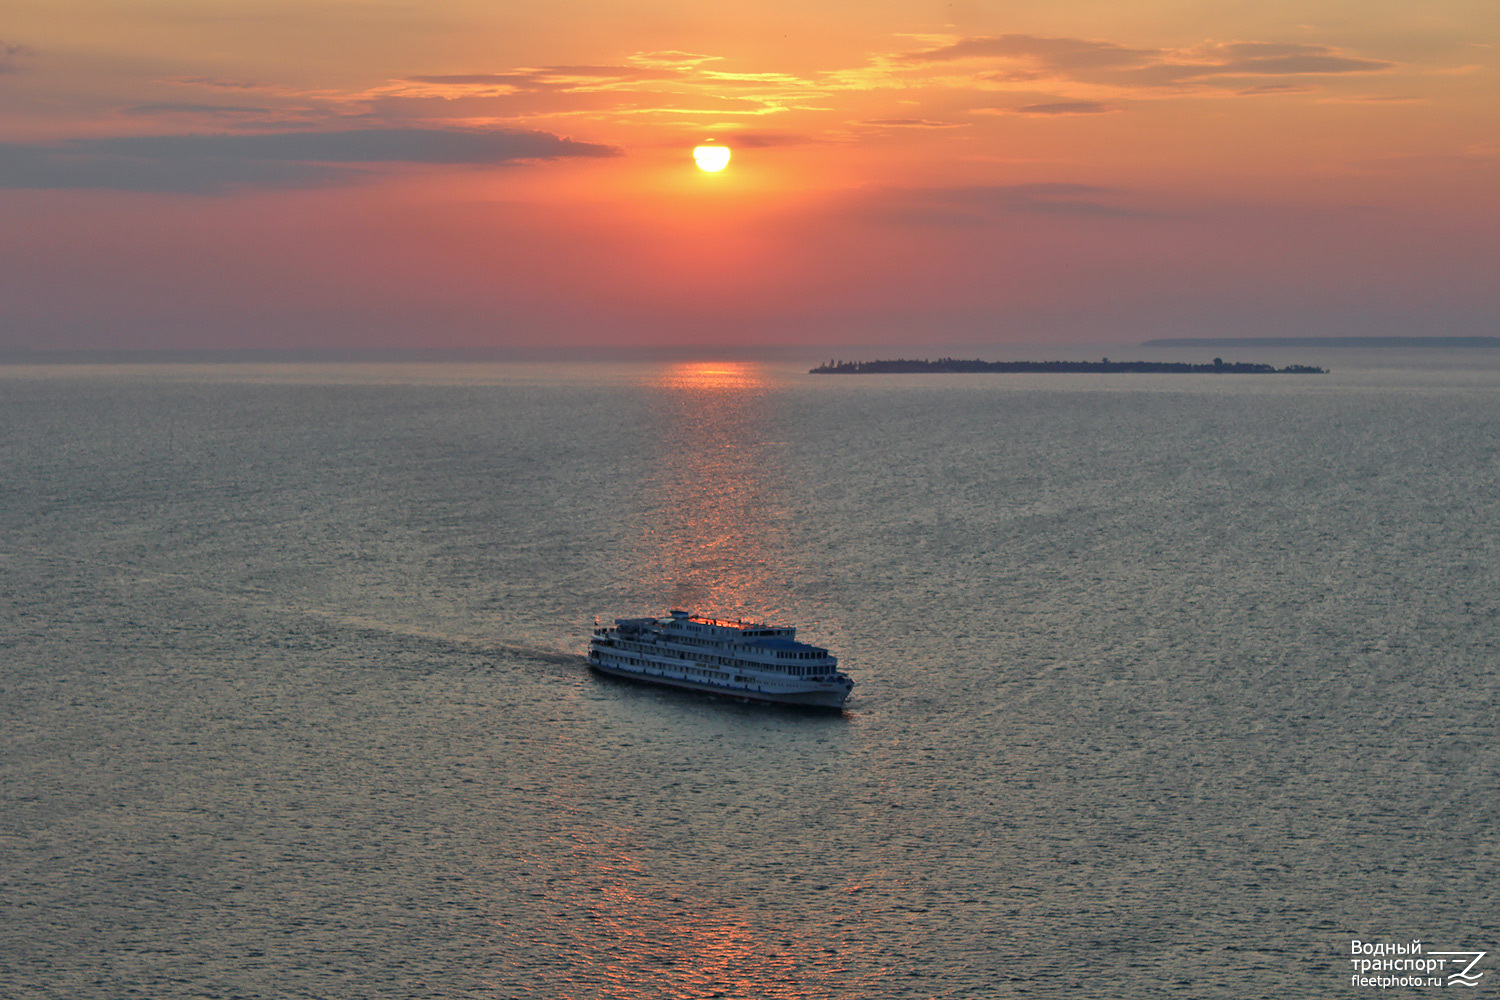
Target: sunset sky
(458, 173)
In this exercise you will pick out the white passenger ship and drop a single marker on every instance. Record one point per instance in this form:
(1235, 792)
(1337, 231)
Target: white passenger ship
(734, 658)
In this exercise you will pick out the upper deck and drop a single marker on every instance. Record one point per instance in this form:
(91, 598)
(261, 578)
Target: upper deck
(755, 641)
(723, 629)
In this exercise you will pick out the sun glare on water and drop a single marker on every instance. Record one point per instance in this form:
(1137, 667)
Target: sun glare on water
(712, 158)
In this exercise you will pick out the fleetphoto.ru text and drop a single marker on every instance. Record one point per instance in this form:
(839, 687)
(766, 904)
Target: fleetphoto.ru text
(1384, 964)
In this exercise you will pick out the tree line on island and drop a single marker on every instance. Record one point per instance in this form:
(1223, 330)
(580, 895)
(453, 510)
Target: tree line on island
(903, 366)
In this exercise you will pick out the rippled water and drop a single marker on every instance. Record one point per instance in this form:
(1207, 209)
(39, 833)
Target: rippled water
(1165, 684)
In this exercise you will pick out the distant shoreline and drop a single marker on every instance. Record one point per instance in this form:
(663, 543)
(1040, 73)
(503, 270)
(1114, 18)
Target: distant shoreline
(905, 366)
(1446, 342)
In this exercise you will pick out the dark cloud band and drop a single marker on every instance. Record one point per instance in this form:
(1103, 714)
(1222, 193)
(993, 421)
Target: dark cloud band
(1105, 62)
(200, 164)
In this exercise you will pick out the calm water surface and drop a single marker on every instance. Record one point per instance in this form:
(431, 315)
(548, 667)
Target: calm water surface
(1166, 685)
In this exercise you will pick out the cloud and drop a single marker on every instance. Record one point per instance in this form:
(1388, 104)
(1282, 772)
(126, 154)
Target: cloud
(1263, 58)
(485, 80)
(25, 166)
(1375, 99)
(984, 203)
(547, 78)
(1273, 88)
(219, 83)
(375, 145)
(201, 164)
(766, 140)
(1063, 77)
(565, 90)
(784, 82)
(187, 108)
(1062, 108)
(1311, 60)
(1057, 53)
(678, 104)
(1048, 198)
(673, 59)
(911, 123)
(655, 83)
(1081, 60)
(10, 53)
(952, 82)
(1481, 155)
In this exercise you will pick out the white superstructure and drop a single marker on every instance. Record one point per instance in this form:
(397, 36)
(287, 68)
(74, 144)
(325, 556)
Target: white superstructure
(734, 658)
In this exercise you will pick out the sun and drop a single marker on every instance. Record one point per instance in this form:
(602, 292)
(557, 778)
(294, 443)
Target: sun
(712, 158)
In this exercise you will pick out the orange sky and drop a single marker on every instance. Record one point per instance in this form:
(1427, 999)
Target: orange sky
(221, 173)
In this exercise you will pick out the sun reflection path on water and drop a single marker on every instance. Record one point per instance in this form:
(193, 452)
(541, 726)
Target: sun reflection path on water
(620, 920)
(717, 539)
(697, 951)
(713, 377)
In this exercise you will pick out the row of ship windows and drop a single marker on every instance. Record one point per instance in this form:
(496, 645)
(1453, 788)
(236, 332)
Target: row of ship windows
(724, 660)
(795, 671)
(632, 661)
(746, 633)
(697, 672)
(779, 654)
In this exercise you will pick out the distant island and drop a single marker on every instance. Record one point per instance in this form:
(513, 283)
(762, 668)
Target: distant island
(953, 365)
(1324, 342)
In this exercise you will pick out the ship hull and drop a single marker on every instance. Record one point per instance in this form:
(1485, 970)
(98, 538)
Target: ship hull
(826, 699)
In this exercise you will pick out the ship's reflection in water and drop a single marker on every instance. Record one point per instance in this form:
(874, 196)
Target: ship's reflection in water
(717, 540)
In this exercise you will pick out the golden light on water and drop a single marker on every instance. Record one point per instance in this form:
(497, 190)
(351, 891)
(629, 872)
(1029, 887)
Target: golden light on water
(718, 544)
(712, 376)
(711, 158)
